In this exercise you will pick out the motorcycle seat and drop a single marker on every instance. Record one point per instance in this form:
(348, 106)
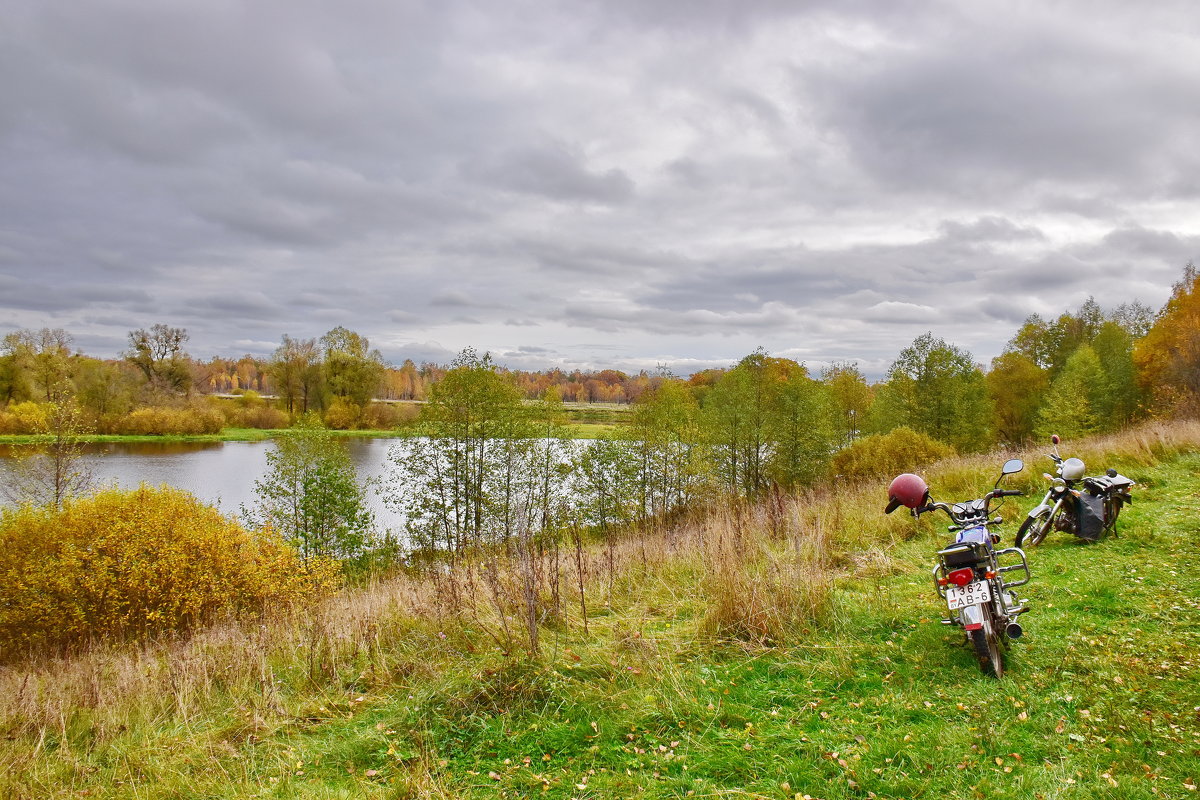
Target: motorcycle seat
(1104, 484)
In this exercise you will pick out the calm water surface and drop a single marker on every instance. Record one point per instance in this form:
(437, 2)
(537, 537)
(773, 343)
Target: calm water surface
(221, 473)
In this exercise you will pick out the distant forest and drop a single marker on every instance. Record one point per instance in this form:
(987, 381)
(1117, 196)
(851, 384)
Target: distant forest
(1089, 370)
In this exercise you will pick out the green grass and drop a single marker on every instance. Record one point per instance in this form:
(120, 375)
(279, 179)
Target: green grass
(611, 414)
(1102, 699)
(589, 430)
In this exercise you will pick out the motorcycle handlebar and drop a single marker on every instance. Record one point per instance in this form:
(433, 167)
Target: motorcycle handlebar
(946, 507)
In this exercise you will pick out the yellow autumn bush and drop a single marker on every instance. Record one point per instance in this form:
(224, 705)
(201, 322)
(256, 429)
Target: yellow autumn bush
(161, 421)
(127, 564)
(887, 454)
(27, 417)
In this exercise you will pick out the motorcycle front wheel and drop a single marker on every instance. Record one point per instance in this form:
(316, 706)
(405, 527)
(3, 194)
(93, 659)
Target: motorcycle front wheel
(1033, 530)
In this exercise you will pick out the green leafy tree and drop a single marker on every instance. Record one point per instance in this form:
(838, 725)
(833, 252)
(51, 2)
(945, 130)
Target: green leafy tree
(801, 430)
(1069, 407)
(295, 370)
(1016, 385)
(105, 389)
(607, 484)
(312, 495)
(851, 397)
(936, 389)
(672, 464)
(44, 359)
(736, 416)
(353, 371)
(1050, 344)
(14, 379)
(1118, 398)
(489, 467)
(159, 354)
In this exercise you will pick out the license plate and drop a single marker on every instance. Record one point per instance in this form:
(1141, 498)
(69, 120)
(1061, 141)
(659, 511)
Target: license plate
(969, 595)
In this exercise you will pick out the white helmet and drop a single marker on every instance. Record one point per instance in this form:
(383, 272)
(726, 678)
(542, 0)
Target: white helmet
(1072, 469)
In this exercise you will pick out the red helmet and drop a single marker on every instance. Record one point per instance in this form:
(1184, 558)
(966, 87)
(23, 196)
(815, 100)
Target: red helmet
(906, 490)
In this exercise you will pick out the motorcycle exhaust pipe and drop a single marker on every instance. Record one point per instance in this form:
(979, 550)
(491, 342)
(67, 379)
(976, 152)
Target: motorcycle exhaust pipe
(1014, 630)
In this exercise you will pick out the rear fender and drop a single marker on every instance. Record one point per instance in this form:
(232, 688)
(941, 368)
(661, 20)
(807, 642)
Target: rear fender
(972, 617)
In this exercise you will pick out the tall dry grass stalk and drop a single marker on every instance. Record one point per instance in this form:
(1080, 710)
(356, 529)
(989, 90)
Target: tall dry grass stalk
(765, 580)
(760, 573)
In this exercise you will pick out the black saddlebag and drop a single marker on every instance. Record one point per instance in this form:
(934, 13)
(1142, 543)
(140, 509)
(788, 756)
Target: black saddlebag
(1091, 516)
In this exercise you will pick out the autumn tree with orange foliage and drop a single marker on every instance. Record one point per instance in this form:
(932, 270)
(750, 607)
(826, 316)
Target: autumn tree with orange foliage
(1167, 358)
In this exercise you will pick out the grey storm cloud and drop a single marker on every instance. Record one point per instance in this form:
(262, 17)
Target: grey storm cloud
(592, 183)
(555, 173)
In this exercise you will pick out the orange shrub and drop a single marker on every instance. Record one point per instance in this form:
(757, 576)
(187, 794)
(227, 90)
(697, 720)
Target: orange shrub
(134, 563)
(888, 454)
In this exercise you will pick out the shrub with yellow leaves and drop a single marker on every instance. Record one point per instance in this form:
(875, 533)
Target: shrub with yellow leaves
(24, 418)
(164, 421)
(880, 455)
(128, 564)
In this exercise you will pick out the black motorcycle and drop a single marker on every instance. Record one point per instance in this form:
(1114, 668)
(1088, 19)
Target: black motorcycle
(1087, 507)
(970, 573)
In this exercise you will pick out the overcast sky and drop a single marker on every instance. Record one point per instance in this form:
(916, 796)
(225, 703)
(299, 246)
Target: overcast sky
(592, 183)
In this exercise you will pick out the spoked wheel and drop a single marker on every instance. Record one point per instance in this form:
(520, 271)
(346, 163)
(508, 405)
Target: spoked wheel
(1033, 530)
(986, 644)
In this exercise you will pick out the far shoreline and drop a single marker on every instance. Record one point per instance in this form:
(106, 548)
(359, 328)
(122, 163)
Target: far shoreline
(581, 430)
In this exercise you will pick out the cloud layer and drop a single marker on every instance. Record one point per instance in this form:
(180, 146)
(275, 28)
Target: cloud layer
(591, 183)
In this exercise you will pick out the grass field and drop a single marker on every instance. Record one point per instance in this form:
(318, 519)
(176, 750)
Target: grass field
(868, 697)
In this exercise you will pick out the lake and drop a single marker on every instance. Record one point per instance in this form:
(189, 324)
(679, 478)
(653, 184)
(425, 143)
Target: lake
(220, 473)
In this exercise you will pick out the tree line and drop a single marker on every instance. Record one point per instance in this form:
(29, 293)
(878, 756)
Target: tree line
(493, 466)
(339, 376)
(1090, 370)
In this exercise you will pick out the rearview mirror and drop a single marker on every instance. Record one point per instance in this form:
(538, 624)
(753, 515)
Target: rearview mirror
(1054, 439)
(1011, 466)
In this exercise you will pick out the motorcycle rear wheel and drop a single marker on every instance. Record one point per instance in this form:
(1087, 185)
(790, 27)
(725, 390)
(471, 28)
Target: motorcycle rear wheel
(987, 649)
(1112, 510)
(1033, 530)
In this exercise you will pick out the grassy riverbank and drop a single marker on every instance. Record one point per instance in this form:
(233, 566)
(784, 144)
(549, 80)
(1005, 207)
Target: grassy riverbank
(860, 693)
(581, 421)
(581, 430)
(226, 435)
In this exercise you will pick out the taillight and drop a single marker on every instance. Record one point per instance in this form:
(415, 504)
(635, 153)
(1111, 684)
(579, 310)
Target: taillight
(961, 577)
